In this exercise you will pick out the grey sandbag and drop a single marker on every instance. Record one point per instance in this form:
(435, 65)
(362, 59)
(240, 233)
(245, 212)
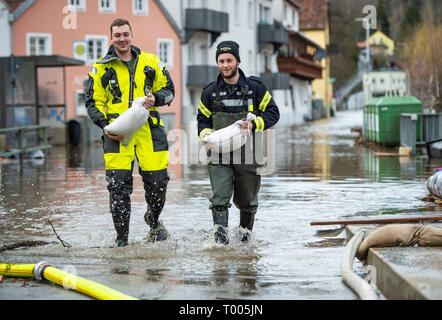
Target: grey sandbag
(402, 235)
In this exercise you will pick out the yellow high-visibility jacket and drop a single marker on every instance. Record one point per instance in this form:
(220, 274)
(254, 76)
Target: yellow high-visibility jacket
(112, 86)
(111, 90)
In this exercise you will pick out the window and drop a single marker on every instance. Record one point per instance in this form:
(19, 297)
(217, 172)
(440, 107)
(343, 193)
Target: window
(264, 13)
(250, 62)
(106, 6)
(141, 7)
(79, 5)
(204, 54)
(296, 20)
(96, 47)
(224, 6)
(237, 12)
(191, 52)
(39, 44)
(251, 14)
(165, 52)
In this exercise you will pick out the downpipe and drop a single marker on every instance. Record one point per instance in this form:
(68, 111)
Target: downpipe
(44, 271)
(356, 283)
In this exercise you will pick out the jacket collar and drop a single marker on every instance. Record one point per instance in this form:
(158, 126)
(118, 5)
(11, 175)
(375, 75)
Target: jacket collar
(112, 55)
(220, 83)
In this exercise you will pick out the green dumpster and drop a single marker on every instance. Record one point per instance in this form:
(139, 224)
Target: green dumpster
(385, 115)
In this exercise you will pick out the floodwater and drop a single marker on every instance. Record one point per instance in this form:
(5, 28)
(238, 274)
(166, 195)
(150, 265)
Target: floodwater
(320, 173)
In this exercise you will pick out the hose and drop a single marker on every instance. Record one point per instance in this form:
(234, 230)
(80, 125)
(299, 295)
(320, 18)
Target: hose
(44, 271)
(359, 285)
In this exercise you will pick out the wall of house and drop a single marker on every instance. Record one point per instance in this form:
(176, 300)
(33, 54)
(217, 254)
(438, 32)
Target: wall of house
(379, 38)
(322, 87)
(5, 48)
(48, 17)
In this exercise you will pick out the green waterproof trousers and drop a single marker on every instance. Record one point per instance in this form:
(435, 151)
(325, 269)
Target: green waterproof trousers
(242, 181)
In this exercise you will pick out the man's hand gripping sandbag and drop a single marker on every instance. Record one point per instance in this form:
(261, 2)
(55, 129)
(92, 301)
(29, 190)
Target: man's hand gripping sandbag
(130, 121)
(229, 138)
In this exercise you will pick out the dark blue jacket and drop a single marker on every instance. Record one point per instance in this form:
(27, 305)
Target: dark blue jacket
(258, 98)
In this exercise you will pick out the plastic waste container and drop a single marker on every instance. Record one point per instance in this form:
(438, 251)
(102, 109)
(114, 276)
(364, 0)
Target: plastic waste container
(385, 118)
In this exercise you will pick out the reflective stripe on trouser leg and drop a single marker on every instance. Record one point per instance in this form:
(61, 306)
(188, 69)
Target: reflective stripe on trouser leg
(155, 187)
(120, 186)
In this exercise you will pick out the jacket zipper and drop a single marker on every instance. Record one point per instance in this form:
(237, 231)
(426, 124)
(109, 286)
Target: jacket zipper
(132, 81)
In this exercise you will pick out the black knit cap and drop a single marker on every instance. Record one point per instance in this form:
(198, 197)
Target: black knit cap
(228, 47)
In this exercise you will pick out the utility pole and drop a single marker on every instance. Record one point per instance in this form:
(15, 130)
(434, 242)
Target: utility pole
(366, 24)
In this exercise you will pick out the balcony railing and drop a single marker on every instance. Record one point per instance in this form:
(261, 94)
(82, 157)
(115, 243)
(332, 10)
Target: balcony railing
(275, 81)
(300, 67)
(272, 34)
(206, 20)
(201, 75)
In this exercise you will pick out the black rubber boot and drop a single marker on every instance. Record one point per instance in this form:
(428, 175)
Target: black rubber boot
(120, 189)
(157, 230)
(246, 220)
(220, 220)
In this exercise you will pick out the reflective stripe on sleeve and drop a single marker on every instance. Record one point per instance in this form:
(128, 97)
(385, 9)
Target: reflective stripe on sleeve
(204, 132)
(204, 110)
(259, 124)
(265, 101)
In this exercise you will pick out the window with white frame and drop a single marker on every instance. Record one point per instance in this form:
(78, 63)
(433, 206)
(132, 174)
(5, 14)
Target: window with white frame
(237, 12)
(165, 52)
(79, 5)
(264, 13)
(96, 47)
(107, 6)
(251, 13)
(38, 44)
(191, 52)
(224, 7)
(140, 7)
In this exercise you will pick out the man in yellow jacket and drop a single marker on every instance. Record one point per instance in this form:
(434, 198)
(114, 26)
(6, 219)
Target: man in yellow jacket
(115, 81)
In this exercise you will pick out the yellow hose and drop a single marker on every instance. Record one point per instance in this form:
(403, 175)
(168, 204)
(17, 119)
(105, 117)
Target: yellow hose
(67, 280)
(17, 270)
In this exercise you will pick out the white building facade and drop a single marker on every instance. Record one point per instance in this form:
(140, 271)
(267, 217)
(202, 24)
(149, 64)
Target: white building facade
(264, 30)
(384, 84)
(5, 26)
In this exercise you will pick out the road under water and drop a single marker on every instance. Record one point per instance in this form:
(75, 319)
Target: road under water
(320, 173)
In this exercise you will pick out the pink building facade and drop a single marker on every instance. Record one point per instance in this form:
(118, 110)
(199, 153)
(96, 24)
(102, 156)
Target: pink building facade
(80, 29)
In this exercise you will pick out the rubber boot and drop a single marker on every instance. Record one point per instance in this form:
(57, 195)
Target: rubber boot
(220, 220)
(157, 230)
(120, 189)
(246, 220)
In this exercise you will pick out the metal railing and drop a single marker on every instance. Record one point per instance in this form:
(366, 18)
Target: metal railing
(430, 129)
(20, 134)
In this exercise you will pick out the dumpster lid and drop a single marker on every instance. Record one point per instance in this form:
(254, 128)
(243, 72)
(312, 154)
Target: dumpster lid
(394, 101)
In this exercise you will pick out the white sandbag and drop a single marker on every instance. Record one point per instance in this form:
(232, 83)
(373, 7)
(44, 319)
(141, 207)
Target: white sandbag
(434, 184)
(130, 121)
(229, 138)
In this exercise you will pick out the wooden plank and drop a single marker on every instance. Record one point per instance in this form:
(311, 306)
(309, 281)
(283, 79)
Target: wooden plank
(385, 154)
(375, 221)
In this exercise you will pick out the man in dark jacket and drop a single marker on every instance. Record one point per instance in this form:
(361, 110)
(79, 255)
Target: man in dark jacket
(231, 98)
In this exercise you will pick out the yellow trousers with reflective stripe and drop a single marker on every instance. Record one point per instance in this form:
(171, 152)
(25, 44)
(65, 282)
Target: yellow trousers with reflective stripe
(149, 145)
